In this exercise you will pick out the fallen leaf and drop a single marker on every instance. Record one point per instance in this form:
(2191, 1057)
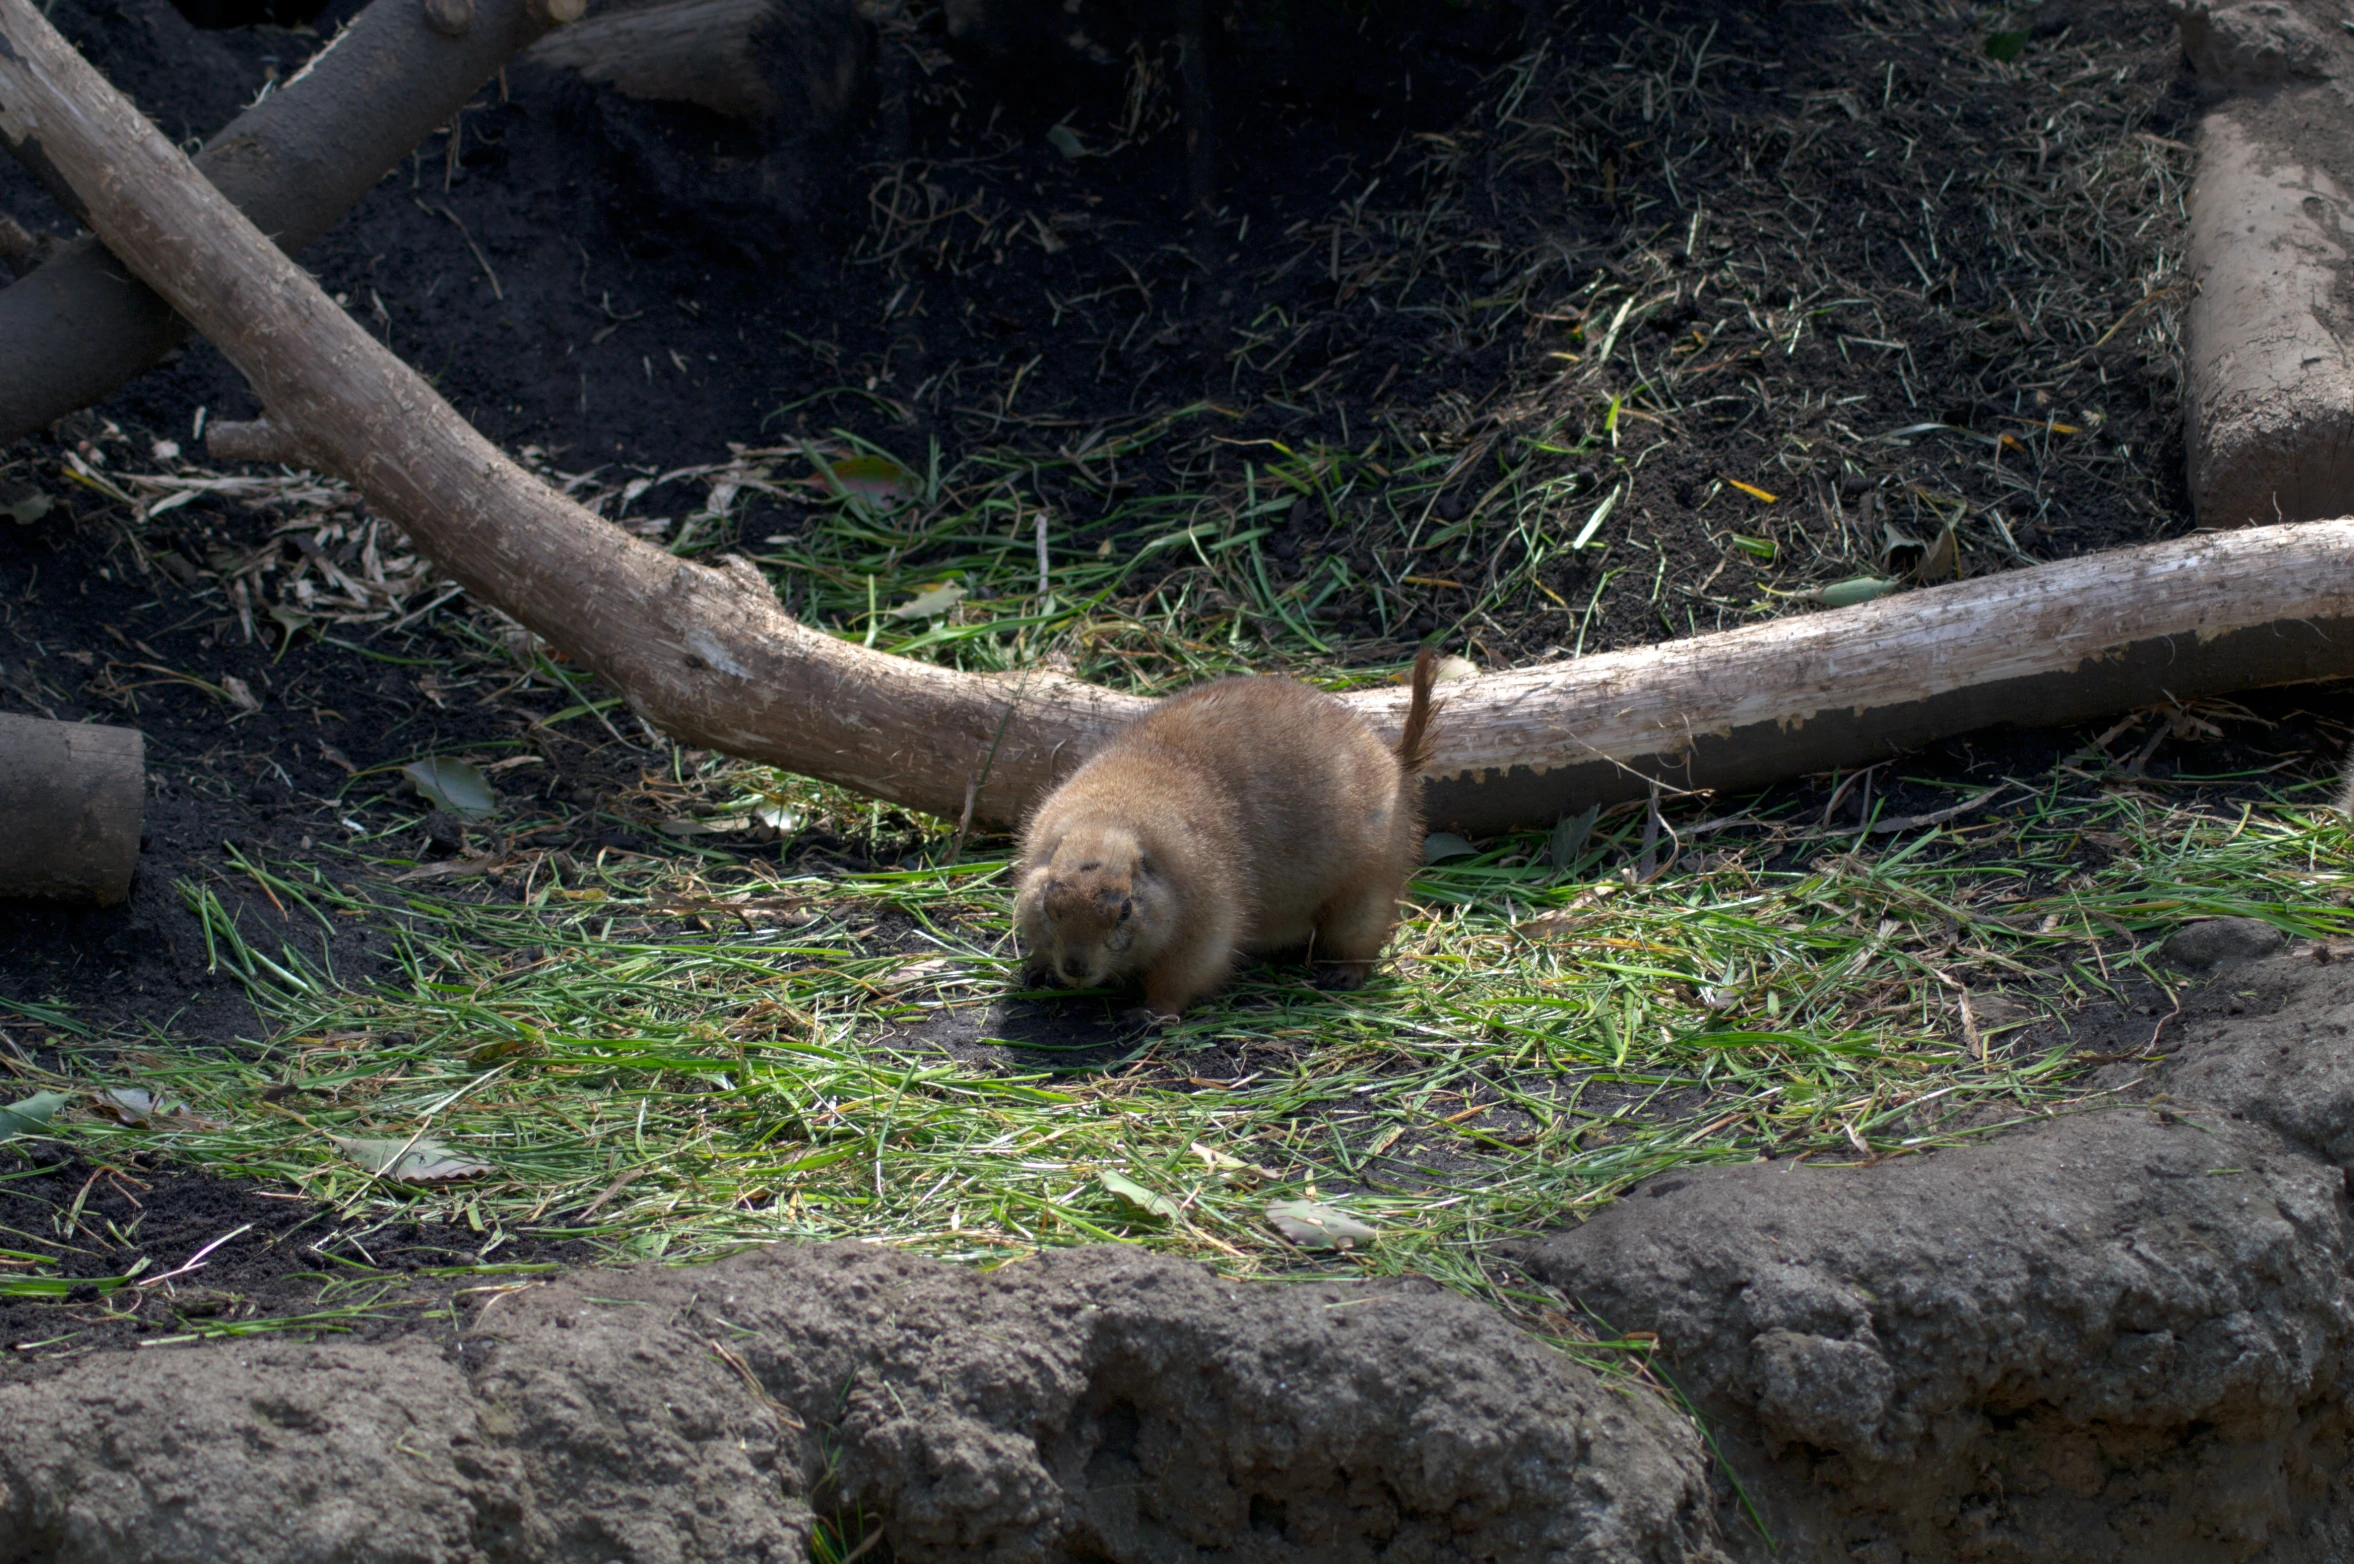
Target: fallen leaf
(1944, 558)
(1854, 590)
(1454, 670)
(1066, 141)
(922, 972)
(878, 480)
(931, 602)
(453, 785)
(1570, 834)
(1140, 1197)
(30, 1114)
(719, 825)
(1753, 491)
(451, 868)
(25, 509)
(241, 693)
(1231, 1169)
(1445, 844)
(419, 1161)
(135, 1105)
(1314, 1226)
(752, 909)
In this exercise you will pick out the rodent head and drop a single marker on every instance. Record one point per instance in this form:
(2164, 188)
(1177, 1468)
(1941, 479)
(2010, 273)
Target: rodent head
(1092, 912)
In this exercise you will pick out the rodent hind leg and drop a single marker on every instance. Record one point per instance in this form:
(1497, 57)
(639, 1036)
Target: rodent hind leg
(1350, 932)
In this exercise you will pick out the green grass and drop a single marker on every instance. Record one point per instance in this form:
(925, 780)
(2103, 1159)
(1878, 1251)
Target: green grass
(640, 1068)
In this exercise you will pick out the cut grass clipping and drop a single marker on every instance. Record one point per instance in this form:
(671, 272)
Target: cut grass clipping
(676, 1063)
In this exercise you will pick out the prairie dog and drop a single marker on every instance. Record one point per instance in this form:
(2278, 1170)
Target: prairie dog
(1249, 815)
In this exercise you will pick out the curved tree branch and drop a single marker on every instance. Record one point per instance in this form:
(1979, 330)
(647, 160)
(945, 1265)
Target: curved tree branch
(74, 330)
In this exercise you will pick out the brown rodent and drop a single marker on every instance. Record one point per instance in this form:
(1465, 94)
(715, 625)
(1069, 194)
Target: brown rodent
(1249, 815)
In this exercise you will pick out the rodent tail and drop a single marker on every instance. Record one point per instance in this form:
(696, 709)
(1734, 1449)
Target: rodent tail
(1414, 742)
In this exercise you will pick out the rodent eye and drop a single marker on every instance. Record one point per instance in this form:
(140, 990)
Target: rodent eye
(1126, 907)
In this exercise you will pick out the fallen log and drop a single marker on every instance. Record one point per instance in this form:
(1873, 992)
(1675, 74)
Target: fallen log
(2269, 398)
(76, 328)
(72, 799)
(709, 655)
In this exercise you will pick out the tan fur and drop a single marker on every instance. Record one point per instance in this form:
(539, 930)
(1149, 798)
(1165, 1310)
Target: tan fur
(1246, 816)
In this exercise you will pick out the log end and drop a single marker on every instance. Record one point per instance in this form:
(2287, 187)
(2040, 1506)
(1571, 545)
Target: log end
(72, 807)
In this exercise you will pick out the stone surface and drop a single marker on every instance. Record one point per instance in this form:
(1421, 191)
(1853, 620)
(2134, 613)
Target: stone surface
(2118, 1334)
(2221, 942)
(1100, 1404)
(255, 1451)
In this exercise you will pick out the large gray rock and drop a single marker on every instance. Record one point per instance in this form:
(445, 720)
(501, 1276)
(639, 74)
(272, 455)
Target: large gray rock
(1100, 1404)
(2213, 943)
(2118, 1334)
(2273, 1044)
(271, 1450)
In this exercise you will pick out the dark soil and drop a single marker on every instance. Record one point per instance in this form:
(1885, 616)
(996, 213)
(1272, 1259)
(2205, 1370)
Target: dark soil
(235, 1254)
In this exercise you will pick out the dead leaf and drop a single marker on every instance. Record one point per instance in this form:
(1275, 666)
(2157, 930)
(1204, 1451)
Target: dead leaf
(922, 972)
(1570, 834)
(241, 693)
(452, 868)
(878, 480)
(1314, 1226)
(1454, 670)
(454, 785)
(135, 1105)
(1944, 559)
(718, 826)
(1140, 1197)
(1445, 844)
(29, 1114)
(1855, 589)
(1231, 1169)
(931, 602)
(417, 1161)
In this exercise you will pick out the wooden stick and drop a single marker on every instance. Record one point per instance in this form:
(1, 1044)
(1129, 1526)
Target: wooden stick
(72, 797)
(76, 329)
(708, 655)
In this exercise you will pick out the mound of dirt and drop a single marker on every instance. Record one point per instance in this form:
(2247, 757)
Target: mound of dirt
(1098, 1404)
(2121, 1330)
